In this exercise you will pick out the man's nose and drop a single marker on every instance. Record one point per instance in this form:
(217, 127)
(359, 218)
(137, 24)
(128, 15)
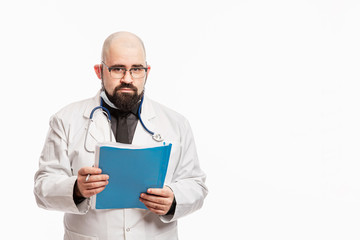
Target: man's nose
(127, 78)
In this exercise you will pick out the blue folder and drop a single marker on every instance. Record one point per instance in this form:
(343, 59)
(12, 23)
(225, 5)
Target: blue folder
(132, 170)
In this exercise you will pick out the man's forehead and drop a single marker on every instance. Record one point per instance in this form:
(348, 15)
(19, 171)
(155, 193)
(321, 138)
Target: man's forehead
(125, 53)
(126, 49)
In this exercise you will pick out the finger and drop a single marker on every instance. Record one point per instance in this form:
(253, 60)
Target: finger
(156, 199)
(95, 178)
(91, 192)
(153, 207)
(163, 192)
(157, 192)
(89, 170)
(94, 185)
(157, 211)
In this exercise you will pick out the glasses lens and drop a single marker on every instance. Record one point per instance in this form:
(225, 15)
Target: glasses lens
(137, 72)
(117, 72)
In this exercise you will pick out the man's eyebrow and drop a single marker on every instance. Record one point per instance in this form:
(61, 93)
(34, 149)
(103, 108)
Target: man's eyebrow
(123, 66)
(137, 65)
(117, 65)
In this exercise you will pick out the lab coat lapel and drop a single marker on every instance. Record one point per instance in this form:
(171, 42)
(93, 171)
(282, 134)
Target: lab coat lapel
(99, 129)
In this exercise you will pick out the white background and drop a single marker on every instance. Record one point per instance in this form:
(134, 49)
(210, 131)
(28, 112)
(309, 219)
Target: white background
(271, 89)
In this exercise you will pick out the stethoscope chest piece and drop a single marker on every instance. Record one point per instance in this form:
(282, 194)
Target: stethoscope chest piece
(157, 137)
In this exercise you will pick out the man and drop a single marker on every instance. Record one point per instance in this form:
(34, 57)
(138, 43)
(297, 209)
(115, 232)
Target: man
(66, 180)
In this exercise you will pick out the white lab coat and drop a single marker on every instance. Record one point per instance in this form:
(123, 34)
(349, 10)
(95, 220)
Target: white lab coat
(64, 154)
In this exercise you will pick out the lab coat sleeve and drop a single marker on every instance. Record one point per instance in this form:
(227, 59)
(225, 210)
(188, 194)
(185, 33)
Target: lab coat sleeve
(54, 181)
(188, 184)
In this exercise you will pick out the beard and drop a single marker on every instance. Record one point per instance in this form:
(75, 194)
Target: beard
(125, 102)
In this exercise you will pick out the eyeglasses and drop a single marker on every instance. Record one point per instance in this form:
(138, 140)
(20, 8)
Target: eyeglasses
(119, 72)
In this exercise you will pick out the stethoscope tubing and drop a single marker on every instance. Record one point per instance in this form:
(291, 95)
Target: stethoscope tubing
(103, 108)
(141, 121)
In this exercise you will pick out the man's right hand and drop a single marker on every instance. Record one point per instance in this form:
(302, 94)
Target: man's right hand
(95, 183)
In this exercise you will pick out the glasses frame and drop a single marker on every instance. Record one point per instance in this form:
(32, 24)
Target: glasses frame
(130, 70)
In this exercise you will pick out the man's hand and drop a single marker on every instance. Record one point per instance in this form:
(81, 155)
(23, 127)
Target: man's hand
(95, 183)
(158, 200)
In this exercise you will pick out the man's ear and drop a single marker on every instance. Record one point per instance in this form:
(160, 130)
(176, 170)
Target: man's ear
(147, 72)
(98, 70)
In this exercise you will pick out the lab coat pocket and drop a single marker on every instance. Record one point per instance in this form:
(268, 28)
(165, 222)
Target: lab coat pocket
(168, 235)
(69, 235)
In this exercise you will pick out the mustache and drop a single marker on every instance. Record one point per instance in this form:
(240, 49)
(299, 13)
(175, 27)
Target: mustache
(125, 85)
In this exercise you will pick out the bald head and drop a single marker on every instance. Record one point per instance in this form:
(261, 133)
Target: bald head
(121, 39)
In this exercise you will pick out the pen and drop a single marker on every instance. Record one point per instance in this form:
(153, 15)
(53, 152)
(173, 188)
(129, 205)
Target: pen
(88, 176)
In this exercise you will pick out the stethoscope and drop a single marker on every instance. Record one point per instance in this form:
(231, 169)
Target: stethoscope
(156, 136)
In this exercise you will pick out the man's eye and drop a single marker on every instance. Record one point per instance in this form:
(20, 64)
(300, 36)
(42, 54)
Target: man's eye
(136, 69)
(117, 70)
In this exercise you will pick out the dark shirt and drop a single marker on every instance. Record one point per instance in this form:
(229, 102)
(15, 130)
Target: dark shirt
(123, 124)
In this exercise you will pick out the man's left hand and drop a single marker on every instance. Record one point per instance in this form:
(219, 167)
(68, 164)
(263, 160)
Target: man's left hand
(158, 200)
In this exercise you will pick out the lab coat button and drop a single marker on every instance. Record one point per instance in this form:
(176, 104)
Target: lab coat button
(128, 229)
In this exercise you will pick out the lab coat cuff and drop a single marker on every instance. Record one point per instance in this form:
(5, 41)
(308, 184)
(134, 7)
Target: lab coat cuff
(84, 206)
